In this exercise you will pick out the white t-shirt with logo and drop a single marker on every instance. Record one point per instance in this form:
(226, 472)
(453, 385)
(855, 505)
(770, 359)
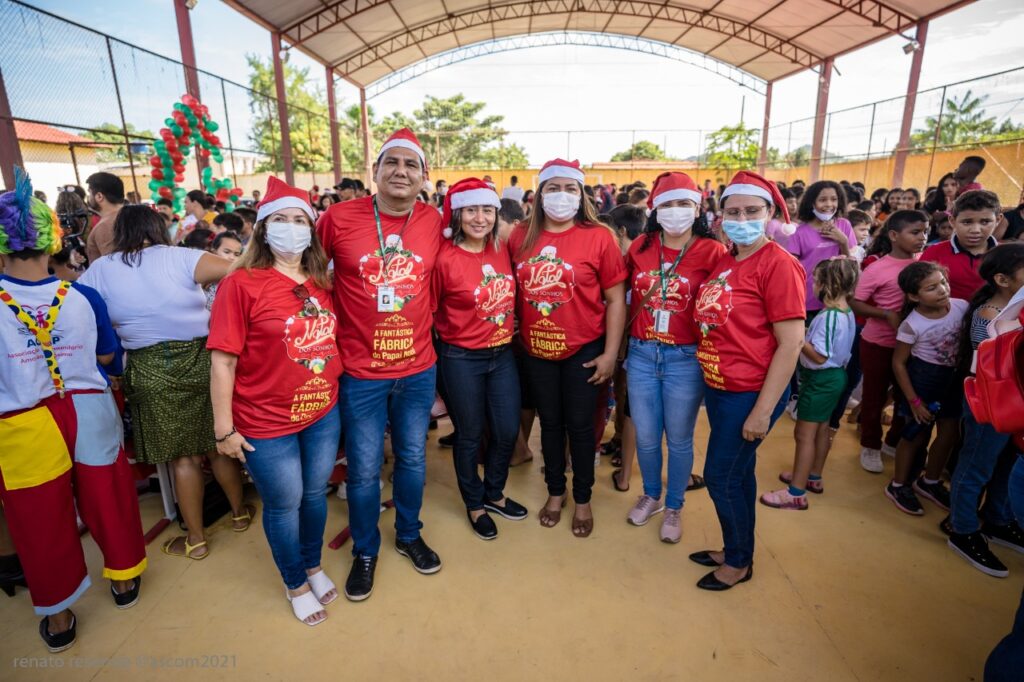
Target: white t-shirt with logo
(81, 332)
(154, 300)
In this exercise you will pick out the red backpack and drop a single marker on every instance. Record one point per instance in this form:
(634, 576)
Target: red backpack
(996, 393)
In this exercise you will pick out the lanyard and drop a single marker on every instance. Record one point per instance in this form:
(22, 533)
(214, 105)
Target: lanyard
(662, 271)
(385, 259)
(43, 331)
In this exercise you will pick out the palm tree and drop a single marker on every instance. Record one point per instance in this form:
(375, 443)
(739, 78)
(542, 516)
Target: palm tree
(962, 120)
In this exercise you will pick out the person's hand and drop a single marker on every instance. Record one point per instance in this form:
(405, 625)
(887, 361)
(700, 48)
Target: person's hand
(604, 367)
(893, 318)
(235, 447)
(922, 415)
(756, 426)
(832, 233)
(115, 382)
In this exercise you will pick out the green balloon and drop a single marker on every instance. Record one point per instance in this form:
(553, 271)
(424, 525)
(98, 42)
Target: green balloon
(212, 126)
(227, 183)
(168, 122)
(159, 145)
(154, 185)
(207, 172)
(176, 129)
(229, 206)
(179, 192)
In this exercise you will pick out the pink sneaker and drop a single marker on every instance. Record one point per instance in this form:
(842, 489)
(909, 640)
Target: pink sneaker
(671, 526)
(816, 487)
(643, 510)
(781, 499)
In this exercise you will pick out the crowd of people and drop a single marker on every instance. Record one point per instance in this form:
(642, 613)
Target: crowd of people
(307, 322)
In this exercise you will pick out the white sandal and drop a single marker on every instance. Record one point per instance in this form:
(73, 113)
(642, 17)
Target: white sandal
(321, 585)
(306, 605)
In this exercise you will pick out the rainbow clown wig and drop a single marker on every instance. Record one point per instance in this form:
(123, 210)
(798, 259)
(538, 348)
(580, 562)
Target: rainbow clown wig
(26, 223)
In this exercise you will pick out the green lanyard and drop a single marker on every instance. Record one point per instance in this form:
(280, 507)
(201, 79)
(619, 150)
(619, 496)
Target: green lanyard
(662, 271)
(386, 260)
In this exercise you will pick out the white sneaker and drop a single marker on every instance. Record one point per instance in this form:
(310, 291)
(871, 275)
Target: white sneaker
(871, 460)
(888, 450)
(791, 408)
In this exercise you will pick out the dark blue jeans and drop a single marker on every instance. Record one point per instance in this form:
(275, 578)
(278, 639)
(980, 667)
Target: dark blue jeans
(984, 464)
(368, 406)
(482, 395)
(290, 473)
(1006, 661)
(729, 469)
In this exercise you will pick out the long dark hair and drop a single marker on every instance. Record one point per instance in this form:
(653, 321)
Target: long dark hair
(910, 280)
(805, 212)
(458, 236)
(135, 228)
(700, 228)
(586, 216)
(897, 222)
(1005, 259)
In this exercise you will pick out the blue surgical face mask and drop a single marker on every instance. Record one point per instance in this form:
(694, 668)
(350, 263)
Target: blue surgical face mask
(744, 232)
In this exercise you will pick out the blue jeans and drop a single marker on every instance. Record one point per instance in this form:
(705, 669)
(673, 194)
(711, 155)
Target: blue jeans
(665, 388)
(729, 469)
(291, 473)
(481, 390)
(1007, 659)
(983, 461)
(368, 406)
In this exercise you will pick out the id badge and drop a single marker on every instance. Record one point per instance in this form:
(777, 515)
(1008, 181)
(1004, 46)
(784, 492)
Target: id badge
(661, 320)
(385, 299)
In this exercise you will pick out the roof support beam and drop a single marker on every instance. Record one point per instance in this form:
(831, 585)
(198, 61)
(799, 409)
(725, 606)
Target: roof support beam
(824, 81)
(188, 61)
(762, 158)
(282, 109)
(902, 147)
(364, 129)
(332, 115)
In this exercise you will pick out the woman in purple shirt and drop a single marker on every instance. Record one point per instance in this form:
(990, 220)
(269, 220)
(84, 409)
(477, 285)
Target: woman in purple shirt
(822, 232)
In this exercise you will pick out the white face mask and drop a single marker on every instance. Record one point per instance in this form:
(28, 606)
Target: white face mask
(823, 217)
(677, 219)
(561, 206)
(288, 239)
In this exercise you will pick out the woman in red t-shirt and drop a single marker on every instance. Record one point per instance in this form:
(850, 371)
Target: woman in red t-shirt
(274, 383)
(572, 311)
(750, 311)
(475, 293)
(666, 267)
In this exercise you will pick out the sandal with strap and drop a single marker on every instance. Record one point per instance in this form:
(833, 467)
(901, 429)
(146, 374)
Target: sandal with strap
(697, 483)
(250, 511)
(548, 518)
(321, 585)
(306, 605)
(582, 528)
(615, 481)
(189, 549)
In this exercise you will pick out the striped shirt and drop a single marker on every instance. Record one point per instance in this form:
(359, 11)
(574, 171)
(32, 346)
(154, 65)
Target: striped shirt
(831, 333)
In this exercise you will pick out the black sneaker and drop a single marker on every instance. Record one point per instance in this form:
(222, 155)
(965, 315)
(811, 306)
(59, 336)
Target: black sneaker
(1010, 536)
(447, 441)
(946, 526)
(126, 600)
(511, 510)
(483, 527)
(359, 585)
(60, 641)
(904, 499)
(936, 492)
(974, 549)
(424, 559)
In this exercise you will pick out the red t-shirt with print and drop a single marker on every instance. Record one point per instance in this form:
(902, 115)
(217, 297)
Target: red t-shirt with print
(476, 296)
(396, 343)
(561, 284)
(288, 359)
(735, 310)
(644, 266)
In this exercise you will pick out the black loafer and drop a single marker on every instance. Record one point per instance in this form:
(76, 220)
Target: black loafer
(704, 558)
(126, 600)
(713, 584)
(60, 641)
(511, 510)
(447, 441)
(483, 526)
(424, 559)
(359, 584)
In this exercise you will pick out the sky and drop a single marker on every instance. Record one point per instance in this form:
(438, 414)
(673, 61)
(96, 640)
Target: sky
(589, 92)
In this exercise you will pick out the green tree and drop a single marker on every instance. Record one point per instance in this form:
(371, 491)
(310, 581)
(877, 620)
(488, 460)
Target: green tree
(732, 147)
(111, 134)
(963, 121)
(505, 156)
(642, 150)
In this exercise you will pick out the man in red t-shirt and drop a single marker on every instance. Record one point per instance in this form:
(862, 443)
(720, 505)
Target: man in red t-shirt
(384, 248)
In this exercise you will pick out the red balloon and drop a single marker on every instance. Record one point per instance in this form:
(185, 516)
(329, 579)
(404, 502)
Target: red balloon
(178, 168)
(157, 174)
(165, 133)
(188, 100)
(179, 178)
(215, 140)
(204, 152)
(155, 161)
(165, 192)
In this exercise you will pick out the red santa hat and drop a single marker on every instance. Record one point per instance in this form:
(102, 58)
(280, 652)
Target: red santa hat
(467, 192)
(405, 139)
(560, 168)
(673, 187)
(749, 182)
(281, 195)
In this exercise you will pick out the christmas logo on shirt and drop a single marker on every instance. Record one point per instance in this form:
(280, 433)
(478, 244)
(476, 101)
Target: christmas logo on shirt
(405, 271)
(677, 290)
(714, 302)
(309, 336)
(495, 297)
(547, 280)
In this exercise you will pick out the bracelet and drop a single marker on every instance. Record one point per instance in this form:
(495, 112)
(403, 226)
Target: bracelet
(233, 432)
(916, 402)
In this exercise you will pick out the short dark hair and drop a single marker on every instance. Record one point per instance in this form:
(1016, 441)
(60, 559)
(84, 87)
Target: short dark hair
(347, 183)
(164, 202)
(901, 219)
(199, 196)
(857, 217)
(511, 211)
(975, 161)
(629, 219)
(977, 200)
(514, 179)
(806, 210)
(865, 205)
(107, 184)
(222, 237)
(198, 238)
(229, 221)
(638, 194)
(246, 214)
(359, 184)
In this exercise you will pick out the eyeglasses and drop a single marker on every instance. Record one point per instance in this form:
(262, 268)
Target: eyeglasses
(750, 212)
(309, 307)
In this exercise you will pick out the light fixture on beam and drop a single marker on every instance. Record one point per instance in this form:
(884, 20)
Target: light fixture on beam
(191, 4)
(912, 46)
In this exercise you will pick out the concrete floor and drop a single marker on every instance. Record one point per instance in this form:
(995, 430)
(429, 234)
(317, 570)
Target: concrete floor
(851, 590)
